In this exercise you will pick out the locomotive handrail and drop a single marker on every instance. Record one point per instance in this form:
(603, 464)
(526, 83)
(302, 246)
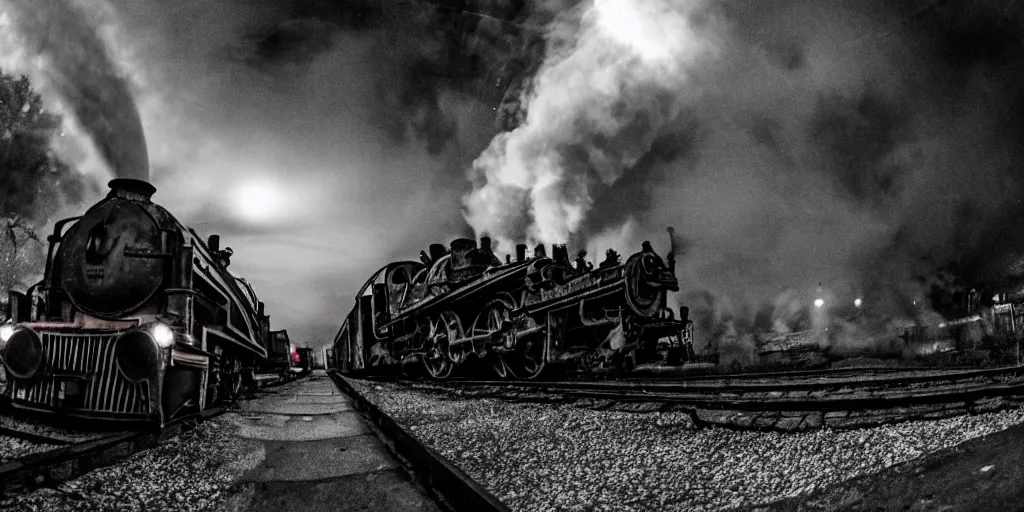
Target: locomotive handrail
(53, 240)
(459, 292)
(561, 302)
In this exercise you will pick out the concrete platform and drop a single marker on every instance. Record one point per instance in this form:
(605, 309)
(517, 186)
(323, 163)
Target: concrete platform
(383, 491)
(291, 461)
(318, 454)
(299, 426)
(301, 405)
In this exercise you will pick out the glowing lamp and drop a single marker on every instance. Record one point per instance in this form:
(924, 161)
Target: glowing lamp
(6, 331)
(856, 302)
(163, 335)
(819, 303)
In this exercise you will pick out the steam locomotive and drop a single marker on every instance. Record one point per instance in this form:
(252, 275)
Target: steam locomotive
(520, 318)
(136, 319)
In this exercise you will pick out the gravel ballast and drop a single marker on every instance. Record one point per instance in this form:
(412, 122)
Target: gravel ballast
(539, 457)
(12, 448)
(192, 472)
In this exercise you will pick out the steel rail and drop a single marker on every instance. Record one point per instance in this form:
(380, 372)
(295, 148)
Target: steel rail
(736, 385)
(451, 487)
(73, 459)
(824, 403)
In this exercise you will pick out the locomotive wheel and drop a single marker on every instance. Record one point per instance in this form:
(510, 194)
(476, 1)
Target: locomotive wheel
(530, 359)
(230, 378)
(490, 320)
(213, 387)
(215, 381)
(436, 361)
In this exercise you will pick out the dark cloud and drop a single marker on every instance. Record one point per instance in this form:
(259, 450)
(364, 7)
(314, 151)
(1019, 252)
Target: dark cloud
(861, 144)
(854, 136)
(293, 41)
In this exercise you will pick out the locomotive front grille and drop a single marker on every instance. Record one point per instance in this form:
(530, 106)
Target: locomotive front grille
(87, 361)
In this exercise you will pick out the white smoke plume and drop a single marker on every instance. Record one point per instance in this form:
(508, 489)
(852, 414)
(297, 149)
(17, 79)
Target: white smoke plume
(615, 73)
(859, 144)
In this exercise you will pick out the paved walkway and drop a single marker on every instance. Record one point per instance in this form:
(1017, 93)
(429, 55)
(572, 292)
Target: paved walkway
(319, 455)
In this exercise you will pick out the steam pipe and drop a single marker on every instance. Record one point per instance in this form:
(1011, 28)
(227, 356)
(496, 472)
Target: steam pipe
(53, 240)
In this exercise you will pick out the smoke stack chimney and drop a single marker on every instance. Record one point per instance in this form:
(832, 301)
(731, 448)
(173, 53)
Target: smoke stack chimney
(132, 189)
(437, 251)
(560, 254)
(213, 243)
(520, 252)
(540, 252)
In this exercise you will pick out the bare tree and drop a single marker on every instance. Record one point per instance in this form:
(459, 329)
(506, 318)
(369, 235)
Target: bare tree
(16, 255)
(34, 183)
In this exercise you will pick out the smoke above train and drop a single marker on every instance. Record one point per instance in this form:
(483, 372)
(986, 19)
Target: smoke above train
(862, 144)
(857, 149)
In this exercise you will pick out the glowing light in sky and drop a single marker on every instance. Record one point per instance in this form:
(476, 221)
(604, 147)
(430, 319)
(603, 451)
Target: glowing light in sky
(642, 26)
(258, 201)
(819, 303)
(857, 302)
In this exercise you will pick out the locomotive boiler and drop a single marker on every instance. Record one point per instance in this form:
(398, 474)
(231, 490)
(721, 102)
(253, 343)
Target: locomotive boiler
(521, 318)
(136, 318)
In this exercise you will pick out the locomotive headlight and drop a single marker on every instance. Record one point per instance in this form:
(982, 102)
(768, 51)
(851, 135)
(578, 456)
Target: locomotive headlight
(137, 354)
(163, 335)
(6, 331)
(23, 353)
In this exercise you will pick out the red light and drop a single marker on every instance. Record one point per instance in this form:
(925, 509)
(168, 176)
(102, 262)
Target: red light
(295, 354)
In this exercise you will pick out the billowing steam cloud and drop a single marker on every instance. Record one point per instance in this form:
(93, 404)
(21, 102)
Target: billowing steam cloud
(615, 73)
(861, 145)
(79, 67)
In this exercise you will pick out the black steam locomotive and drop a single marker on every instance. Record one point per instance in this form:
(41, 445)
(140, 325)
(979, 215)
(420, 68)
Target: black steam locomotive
(136, 318)
(519, 318)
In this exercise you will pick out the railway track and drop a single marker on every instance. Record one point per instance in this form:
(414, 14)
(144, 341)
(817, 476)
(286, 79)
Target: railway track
(448, 484)
(789, 402)
(76, 453)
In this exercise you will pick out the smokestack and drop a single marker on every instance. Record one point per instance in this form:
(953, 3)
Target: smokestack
(437, 251)
(213, 243)
(132, 189)
(539, 252)
(520, 252)
(560, 254)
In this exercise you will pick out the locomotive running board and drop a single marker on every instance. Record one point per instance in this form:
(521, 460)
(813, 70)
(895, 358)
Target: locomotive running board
(477, 285)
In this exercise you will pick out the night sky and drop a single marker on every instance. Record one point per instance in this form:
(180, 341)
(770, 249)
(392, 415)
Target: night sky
(860, 144)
